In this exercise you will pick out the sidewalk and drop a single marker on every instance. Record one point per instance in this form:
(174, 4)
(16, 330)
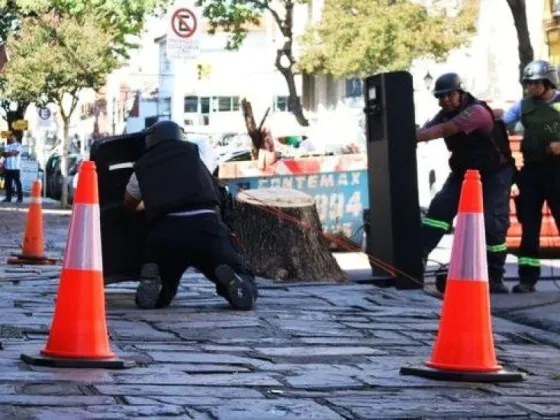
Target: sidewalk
(309, 351)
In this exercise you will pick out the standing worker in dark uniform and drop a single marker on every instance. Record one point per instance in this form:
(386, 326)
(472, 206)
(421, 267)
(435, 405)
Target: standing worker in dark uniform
(478, 142)
(176, 190)
(539, 178)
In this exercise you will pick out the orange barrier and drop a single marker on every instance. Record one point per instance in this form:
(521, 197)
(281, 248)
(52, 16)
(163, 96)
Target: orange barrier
(464, 347)
(78, 335)
(33, 252)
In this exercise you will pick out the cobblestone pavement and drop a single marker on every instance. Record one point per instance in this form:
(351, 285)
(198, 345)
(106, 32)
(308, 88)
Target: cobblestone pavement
(309, 351)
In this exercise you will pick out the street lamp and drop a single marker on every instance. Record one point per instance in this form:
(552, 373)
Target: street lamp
(428, 79)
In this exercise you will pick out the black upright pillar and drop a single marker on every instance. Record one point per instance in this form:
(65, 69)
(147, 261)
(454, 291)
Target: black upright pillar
(394, 211)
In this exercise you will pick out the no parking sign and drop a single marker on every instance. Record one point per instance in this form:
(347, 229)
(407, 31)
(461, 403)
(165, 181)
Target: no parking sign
(182, 34)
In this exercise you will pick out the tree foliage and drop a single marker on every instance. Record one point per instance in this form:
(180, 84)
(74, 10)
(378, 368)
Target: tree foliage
(54, 57)
(360, 37)
(124, 18)
(58, 47)
(235, 17)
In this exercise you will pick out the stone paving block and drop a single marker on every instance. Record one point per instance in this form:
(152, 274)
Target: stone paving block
(7, 389)
(162, 347)
(322, 380)
(181, 315)
(420, 336)
(51, 400)
(398, 407)
(254, 341)
(311, 332)
(217, 334)
(176, 400)
(399, 381)
(226, 349)
(231, 379)
(272, 409)
(138, 331)
(102, 412)
(215, 304)
(525, 392)
(225, 323)
(282, 318)
(204, 358)
(311, 351)
(52, 389)
(287, 292)
(58, 375)
(158, 368)
(551, 410)
(181, 391)
(330, 309)
(359, 341)
(377, 326)
(285, 302)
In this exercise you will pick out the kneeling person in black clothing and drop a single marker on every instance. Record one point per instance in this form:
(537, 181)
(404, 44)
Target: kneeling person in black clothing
(176, 190)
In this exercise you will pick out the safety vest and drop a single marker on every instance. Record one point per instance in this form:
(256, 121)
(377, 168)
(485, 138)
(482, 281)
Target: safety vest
(477, 150)
(541, 121)
(172, 178)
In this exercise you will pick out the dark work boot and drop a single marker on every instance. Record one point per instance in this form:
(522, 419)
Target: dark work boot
(441, 278)
(240, 292)
(497, 286)
(149, 289)
(524, 287)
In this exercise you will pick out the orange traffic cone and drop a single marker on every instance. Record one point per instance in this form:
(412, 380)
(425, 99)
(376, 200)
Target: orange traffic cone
(78, 336)
(464, 348)
(33, 242)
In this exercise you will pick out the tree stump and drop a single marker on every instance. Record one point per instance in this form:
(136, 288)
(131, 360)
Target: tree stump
(281, 236)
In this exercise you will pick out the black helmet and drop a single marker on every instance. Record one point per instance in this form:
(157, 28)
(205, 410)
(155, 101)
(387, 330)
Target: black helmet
(162, 131)
(446, 83)
(541, 70)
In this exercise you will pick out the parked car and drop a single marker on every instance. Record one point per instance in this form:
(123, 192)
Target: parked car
(234, 156)
(53, 182)
(73, 178)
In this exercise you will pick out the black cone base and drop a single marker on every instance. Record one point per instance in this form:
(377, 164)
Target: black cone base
(448, 375)
(40, 360)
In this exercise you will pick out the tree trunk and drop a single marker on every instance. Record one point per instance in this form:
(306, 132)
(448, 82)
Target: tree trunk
(526, 54)
(287, 51)
(64, 161)
(294, 102)
(281, 236)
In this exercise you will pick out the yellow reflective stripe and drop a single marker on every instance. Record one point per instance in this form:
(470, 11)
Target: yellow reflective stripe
(531, 262)
(496, 248)
(438, 224)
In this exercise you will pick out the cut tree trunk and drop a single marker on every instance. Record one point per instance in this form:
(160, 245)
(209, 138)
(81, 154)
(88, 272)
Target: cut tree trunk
(254, 132)
(282, 238)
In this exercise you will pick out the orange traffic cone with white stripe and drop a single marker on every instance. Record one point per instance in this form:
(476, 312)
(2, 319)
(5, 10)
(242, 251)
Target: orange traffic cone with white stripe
(78, 335)
(464, 348)
(33, 252)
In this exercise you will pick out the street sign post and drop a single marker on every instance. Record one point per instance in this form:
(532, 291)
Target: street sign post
(45, 117)
(182, 35)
